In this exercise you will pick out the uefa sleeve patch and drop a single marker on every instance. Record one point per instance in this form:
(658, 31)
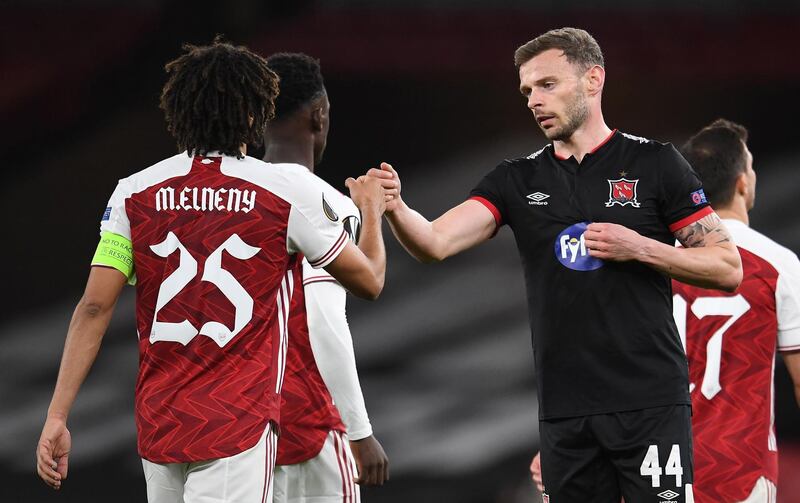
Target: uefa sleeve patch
(106, 214)
(115, 251)
(698, 197)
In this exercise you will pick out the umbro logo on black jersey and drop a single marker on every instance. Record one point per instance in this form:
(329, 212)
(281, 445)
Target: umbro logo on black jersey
(668, 495)
(538, 198)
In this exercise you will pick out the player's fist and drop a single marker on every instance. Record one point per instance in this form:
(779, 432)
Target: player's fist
(390, 182)
(536, 472)
(52, 453)
(371, 461)
(608, 241)
(367, 193)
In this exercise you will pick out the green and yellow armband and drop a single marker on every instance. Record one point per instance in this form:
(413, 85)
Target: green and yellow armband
(115, 251)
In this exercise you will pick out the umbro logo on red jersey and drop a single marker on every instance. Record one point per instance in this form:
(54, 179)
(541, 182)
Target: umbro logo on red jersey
(538, 198)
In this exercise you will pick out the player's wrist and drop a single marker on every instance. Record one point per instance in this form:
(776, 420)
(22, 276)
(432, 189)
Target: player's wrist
(57, 416)
(397, 211)
(356, 434)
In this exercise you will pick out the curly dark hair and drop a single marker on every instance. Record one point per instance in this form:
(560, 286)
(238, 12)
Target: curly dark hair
(300, 81)
(218, 97)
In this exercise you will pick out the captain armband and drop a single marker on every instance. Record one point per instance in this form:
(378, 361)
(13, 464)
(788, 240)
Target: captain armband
(115, 251)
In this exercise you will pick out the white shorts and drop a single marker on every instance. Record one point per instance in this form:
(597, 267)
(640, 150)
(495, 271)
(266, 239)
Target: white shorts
(327, 478)
(763, 492)
(243, 478)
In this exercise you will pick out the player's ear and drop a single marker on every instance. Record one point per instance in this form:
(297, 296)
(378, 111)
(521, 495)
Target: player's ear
(742, 187)
(595, 79)
(317, 120)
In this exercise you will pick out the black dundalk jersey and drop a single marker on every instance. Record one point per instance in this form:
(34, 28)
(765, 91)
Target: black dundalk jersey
(603, 333)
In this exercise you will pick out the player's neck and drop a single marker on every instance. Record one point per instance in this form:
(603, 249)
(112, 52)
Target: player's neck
(737, 210)
(279, 151)
(584, 140)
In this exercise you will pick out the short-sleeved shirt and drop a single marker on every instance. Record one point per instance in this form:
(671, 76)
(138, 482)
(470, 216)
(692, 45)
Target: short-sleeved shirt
(308, 413)
(216, 247)
(731, 341)
(603, 334)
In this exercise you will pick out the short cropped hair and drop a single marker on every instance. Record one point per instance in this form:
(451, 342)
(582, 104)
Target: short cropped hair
(218, 97)
(717, 153)
(578, 46)
(300, 81)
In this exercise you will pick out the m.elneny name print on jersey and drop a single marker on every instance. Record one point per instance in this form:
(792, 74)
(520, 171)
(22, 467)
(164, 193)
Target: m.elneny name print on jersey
(205, 199)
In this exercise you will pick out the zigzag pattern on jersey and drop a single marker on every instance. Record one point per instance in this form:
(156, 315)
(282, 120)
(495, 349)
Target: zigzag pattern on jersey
(307, 410)
(202, 401)
(732, 430)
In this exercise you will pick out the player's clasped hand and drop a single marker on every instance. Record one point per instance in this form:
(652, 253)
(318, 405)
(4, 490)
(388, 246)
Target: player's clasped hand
(367, 193)
(52, 453)
(390, 182)
(371, 461)
(612, 242)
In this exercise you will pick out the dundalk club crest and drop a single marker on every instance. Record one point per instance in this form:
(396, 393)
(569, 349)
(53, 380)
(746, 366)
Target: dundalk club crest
(622, 192)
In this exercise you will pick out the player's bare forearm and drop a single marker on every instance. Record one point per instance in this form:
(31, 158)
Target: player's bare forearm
(717, 267)
(362, 269)
(459, 229)
(415, 233)
(89, 323)
(371, 244)
(86, 330)
(709, 258)
(792, 361)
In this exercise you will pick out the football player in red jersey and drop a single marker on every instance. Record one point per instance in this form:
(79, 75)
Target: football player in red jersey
(731, 339)
(212, 240)
(315, 462)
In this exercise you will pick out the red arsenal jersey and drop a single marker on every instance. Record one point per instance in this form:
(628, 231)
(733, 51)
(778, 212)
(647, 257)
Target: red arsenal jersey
(731, 340)
(215, 244)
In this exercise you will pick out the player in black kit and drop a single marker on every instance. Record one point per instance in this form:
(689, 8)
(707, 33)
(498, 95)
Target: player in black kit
(595, 215)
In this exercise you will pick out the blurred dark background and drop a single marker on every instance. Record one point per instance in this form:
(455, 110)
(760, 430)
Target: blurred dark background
(445, 354)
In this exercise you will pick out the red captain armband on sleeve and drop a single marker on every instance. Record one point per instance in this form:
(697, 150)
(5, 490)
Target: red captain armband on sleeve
(694, 217)
(498, 219)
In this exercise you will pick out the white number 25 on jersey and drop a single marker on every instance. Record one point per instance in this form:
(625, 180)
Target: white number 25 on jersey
(733, 307)
(213, 272)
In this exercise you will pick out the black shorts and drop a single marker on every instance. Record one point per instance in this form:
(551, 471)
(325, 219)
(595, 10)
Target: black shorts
(643, 455)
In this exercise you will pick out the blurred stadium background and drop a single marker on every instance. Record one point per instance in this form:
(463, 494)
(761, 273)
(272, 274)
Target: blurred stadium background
(444, 355)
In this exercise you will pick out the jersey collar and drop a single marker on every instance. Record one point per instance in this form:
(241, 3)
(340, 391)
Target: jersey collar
(591, 152)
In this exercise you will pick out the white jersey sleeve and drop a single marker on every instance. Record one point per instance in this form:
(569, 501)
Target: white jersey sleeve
(329, 334)
(314, 229)
(787, 300)
(115, 219)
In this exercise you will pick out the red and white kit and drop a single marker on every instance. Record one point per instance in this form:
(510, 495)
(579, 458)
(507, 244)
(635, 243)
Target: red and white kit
(216, 242)
(731, 341)
(314, 458)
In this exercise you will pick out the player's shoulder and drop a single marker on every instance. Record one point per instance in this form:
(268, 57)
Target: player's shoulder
(176, 165)
(762, 246)
(289, 181)
(528, 162)
(262, 172)
(642, 144)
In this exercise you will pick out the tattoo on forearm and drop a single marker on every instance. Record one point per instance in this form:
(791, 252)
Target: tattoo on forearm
(708, 231)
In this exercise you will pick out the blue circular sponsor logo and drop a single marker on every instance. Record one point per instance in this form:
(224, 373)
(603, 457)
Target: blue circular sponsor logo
(571, 250)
